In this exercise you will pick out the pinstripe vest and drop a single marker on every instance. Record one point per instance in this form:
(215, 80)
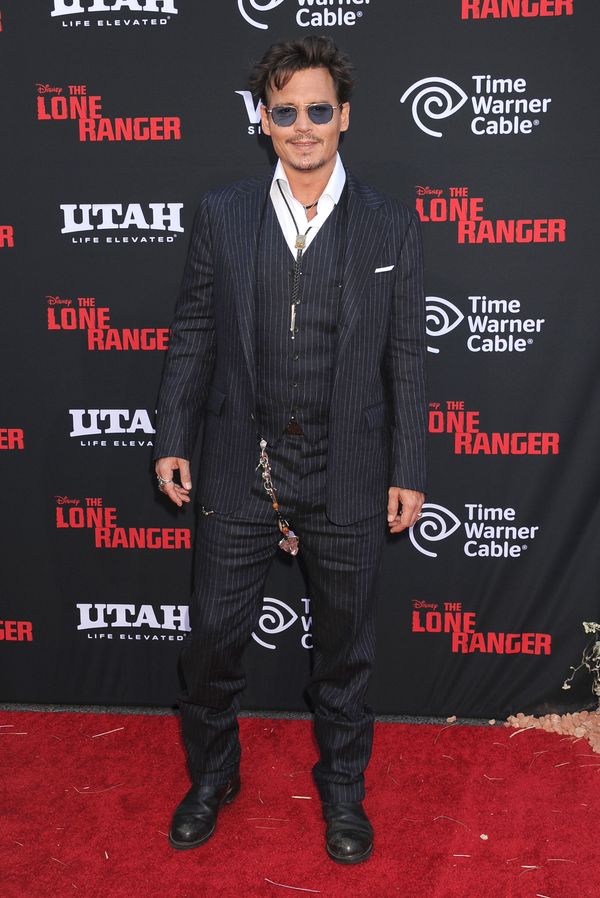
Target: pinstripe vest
(294, 376)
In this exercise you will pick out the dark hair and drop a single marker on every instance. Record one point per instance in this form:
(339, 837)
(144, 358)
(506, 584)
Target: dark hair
(282, 60)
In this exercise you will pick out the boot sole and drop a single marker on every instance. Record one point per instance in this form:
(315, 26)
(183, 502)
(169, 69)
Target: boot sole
(184, 846)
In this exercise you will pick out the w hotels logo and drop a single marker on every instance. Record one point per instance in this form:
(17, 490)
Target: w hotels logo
(433, 100)
(310, 13)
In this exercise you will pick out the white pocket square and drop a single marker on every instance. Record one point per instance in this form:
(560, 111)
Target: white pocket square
(385, 268)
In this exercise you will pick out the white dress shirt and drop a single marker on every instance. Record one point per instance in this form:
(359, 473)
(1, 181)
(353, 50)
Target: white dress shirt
(327, 203)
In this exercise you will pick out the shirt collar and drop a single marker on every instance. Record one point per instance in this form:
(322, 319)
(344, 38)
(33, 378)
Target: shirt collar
(333, 188)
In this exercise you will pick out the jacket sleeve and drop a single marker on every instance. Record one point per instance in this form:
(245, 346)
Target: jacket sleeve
(406, 365)
(191, 355)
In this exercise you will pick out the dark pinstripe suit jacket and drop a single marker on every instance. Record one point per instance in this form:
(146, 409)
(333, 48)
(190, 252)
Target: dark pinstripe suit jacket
(377, 410)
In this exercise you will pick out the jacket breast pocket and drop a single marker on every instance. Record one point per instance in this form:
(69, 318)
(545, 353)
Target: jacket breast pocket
(215, 400)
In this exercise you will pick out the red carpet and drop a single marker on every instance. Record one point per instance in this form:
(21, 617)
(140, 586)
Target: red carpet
(459, 812)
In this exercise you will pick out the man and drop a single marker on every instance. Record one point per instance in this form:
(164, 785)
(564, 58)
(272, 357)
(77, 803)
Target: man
(298, 339)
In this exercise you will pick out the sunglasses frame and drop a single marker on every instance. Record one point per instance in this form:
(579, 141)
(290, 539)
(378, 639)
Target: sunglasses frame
(306, 106)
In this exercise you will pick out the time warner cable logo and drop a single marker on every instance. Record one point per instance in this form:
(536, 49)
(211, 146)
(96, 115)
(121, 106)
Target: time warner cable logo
(498, 104)
(310, 13)
(488, 531)
(494, 325)
(442, 316)
(276, 616)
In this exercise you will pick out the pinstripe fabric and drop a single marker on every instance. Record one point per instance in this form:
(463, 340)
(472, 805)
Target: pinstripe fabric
(377, 408)
(294, 376)
(363, 371)
(233, 555)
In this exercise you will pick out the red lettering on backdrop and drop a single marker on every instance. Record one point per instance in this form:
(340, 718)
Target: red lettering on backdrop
(142, 538)
(87, 110)
(86, 316)
(142, 128)
(12, 438)
(107, 535)
(453, 422)
(534, 443)
(7, 237)
(16, 631)
(145, 338)
(69, 319)
(513, 230)
(443, 622)
(502, 643)
(463, 208)
(78, 518)
(467, 640)
(68, 108)
(504, 9)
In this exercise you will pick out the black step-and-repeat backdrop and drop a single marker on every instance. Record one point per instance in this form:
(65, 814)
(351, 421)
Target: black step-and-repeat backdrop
(483, 115)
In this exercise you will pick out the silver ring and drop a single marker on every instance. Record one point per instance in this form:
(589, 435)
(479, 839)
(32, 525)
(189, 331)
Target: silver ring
(162, 482)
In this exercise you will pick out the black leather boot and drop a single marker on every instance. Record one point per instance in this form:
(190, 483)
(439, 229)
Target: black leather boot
(195, 819)
(349, 836)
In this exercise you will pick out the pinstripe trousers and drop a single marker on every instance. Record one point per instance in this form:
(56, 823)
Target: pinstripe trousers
(233, 555)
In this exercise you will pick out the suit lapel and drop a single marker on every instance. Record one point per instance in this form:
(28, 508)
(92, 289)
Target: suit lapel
(242, 227)
(367, 231)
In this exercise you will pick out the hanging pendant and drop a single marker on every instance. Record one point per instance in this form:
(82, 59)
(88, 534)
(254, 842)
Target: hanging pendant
(300, 241)
(289, 543)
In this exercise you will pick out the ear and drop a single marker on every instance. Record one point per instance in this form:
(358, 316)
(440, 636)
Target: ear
(264, 120)
(345, 117)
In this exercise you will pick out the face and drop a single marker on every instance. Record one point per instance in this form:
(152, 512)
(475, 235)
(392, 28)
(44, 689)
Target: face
(305, 146)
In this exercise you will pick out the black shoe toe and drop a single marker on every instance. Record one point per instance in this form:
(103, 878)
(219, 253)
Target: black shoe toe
(349, 836)
(195, 818)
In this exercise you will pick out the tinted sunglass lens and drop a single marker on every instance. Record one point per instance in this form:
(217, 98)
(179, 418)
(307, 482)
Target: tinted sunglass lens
(320, 113)
(284, 115)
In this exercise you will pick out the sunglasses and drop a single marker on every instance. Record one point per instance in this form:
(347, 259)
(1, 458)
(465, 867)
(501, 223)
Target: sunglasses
(318, 113)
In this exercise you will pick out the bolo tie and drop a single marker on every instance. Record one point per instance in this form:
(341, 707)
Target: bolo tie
(289, 541)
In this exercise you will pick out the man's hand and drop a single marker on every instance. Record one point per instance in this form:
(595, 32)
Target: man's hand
(404, 507)
(165, 468)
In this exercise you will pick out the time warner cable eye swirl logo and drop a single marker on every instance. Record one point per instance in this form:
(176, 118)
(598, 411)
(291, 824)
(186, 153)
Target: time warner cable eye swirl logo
(442, 316)
(434, 100)
(260, 6)
(436, 523)
(273, 619)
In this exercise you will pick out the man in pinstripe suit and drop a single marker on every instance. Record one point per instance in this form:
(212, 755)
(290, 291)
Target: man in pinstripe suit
(299, 328)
